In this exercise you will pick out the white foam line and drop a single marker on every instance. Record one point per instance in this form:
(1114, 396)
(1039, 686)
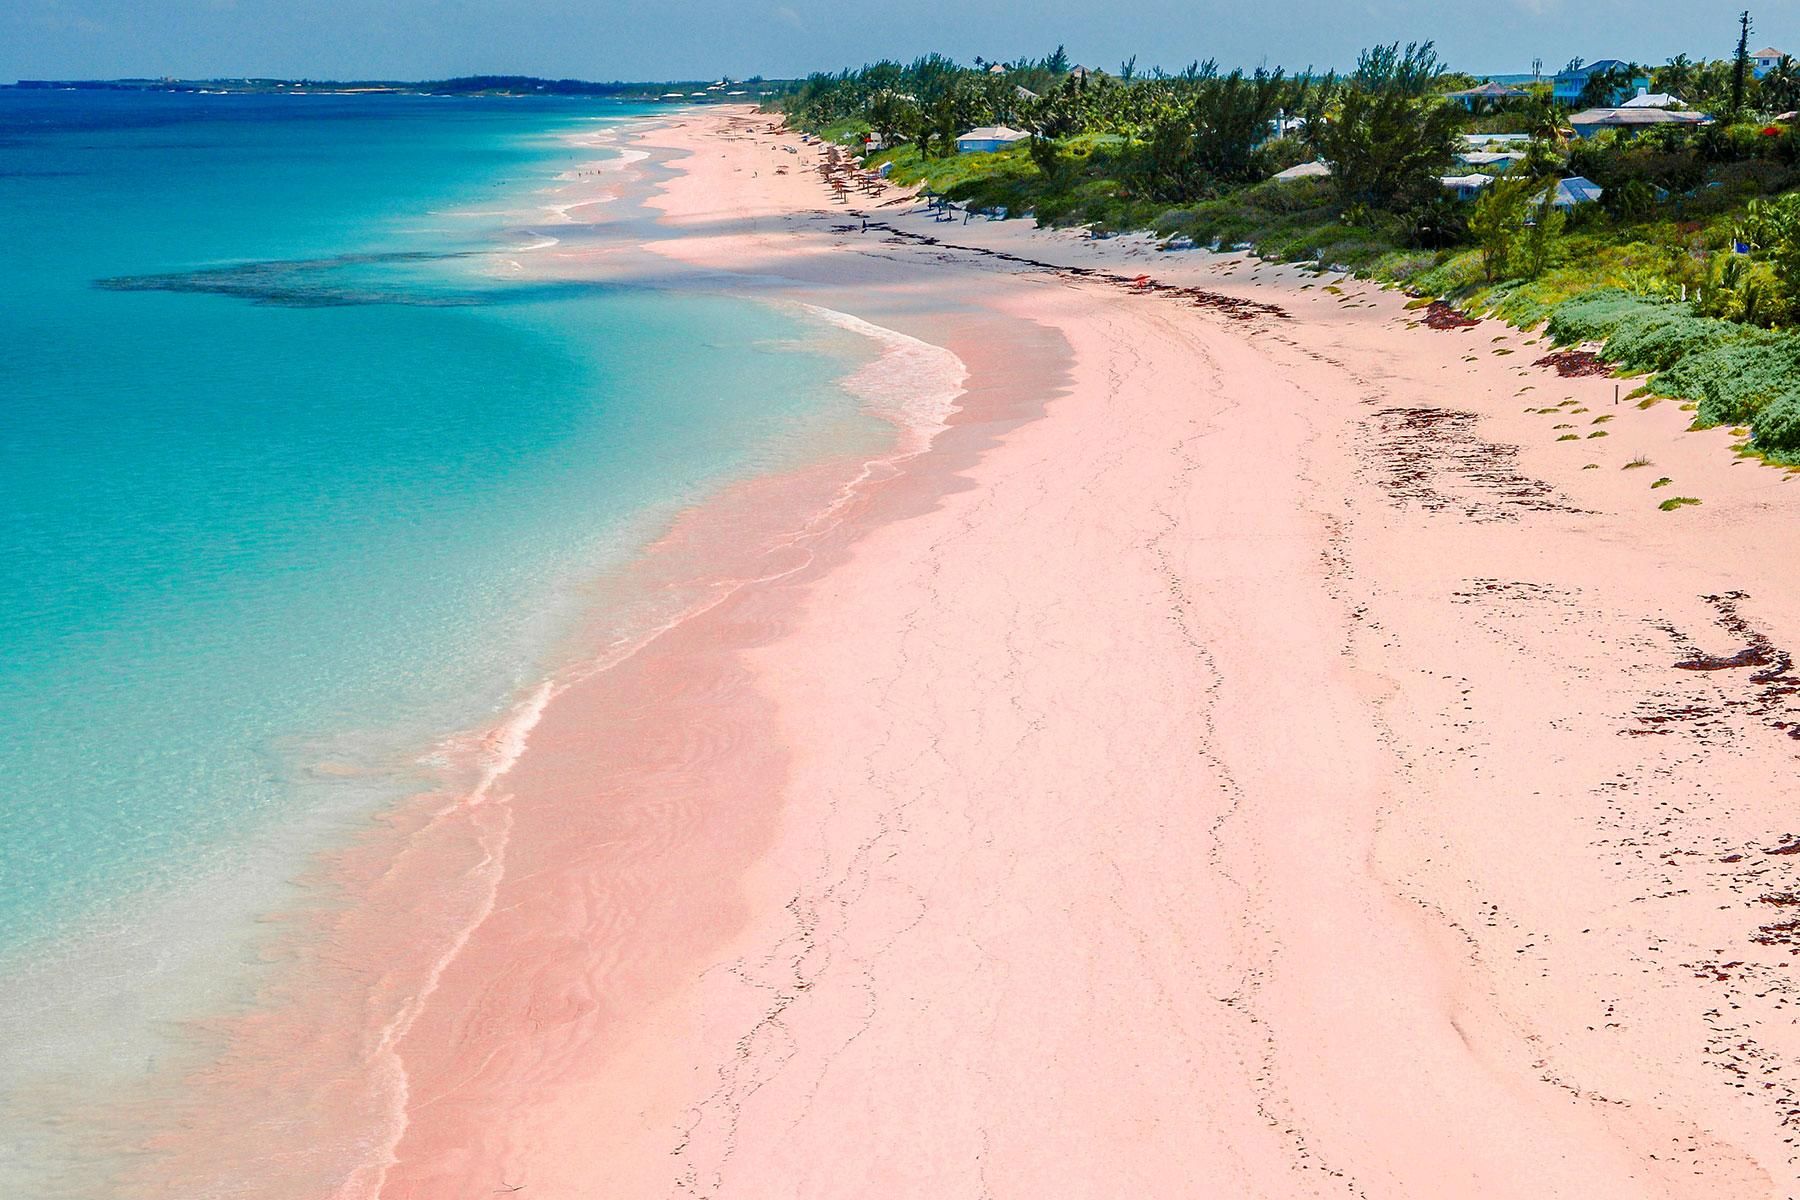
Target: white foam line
(915, 385)
(366, 1183)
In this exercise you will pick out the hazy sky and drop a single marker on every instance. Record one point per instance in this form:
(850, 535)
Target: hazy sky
(663, 39)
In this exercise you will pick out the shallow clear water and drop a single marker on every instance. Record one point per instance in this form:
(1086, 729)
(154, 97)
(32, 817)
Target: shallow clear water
(287, 477)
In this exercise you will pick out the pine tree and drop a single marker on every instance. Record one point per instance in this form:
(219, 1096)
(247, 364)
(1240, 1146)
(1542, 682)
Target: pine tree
(1740, 67)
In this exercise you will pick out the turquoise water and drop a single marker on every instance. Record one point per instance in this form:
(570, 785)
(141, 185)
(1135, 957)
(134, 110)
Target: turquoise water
(287, 475)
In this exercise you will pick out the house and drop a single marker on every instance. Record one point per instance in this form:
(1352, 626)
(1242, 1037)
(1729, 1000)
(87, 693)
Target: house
(1281, 125)
(1500, 160)
(996, 68)
(1311, 170)
(1465, 187)
(1568, 85)
(1765, 60)
(1078, 73)
(1488, 93)
(1574, 190)
(1631, 121)
(989, 138)
(1473, 140)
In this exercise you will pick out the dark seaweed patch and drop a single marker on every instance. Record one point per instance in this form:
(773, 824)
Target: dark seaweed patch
(1234, 307)
(1432, 457)
(336, 282)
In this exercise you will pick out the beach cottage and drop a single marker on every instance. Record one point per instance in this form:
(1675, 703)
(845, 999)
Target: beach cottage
(989, 138)
(1498, 160)
(1465, 187)
(1631, 121)
(1765, 60)
(1576, 189)
(1568, 85)
(1488, 93)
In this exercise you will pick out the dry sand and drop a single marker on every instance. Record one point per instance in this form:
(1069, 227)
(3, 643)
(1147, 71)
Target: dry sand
(1248, 756)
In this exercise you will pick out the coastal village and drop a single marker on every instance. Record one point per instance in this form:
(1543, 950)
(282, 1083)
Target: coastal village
(1649, 212)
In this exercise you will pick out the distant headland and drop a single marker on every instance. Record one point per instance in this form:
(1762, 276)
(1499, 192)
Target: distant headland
(688, 91)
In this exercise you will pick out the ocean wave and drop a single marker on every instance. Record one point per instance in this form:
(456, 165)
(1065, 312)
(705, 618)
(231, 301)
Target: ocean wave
(913, 383)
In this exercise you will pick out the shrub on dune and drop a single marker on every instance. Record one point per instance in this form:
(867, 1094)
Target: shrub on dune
(1777, 428)
(1736, 380)
(1659, 336)
(1595, 316)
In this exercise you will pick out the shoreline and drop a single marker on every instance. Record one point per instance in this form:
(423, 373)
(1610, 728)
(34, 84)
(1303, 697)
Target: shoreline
(716, 550)
(1258, 750)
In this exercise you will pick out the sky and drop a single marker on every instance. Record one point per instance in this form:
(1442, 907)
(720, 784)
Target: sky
(692, 39)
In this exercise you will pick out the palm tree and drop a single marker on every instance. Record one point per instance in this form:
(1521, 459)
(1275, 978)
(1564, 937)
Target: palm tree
(1676, 76)
(1544, 120)
(1603, 87)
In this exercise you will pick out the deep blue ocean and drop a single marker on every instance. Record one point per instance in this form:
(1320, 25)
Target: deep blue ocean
(289, 475)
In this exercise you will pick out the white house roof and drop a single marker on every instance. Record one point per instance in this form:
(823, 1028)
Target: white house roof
(1304, 171)
(1465, 181)
(993, 133)
(1655, 100)
(1609, 118)
(1491, 158)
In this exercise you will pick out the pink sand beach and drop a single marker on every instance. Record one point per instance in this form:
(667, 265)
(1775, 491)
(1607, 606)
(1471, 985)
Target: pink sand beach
(1247, 751)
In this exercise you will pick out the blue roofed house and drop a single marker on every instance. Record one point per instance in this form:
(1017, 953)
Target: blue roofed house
(1576, 189)
(1568, 85)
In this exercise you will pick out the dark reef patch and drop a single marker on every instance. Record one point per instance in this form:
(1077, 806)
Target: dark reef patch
(340, 281)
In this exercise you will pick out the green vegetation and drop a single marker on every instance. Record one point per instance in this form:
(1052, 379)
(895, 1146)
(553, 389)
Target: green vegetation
(1686, 272)
(1675, 502)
